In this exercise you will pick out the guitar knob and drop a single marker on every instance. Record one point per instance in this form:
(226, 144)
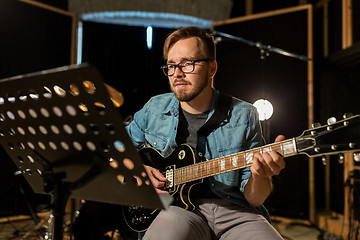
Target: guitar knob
(331, 121)
(135, 220)
(131, 209)
(333, 147)
(347, 115)
(144, 219)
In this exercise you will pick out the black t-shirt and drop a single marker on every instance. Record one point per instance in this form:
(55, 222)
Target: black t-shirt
(189, 124)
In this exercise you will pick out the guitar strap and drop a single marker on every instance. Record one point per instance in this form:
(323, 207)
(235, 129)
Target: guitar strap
(220, 117)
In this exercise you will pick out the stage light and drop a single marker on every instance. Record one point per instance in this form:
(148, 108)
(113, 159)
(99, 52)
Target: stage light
(264, 108)
(79, 42)
(149, 37)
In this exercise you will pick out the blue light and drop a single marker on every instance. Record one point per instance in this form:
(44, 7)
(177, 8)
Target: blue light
(79, 41)
(138, 18)
(149, 36)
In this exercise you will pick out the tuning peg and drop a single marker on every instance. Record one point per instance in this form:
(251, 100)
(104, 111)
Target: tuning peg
(331, 121)
(341, 158)
(315, 125)
(347, 115)
(356, 156)
(324, 160)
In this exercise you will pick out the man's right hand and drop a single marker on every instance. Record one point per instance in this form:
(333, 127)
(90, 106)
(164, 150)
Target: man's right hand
(156, 178)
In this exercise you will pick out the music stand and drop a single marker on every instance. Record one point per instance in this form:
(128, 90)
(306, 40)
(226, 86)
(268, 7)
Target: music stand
(62, 131)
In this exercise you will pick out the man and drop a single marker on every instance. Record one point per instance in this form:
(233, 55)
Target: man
(228, 205)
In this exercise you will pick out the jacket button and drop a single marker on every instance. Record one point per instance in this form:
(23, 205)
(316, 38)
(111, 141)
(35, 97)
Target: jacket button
(228, 197)
(200, 154)
(154, 143)
(213, 184)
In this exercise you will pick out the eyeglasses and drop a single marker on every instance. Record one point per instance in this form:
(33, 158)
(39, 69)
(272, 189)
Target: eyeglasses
(186, 66)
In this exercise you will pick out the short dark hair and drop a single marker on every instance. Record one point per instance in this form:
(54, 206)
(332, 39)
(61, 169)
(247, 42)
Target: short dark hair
(188, 32)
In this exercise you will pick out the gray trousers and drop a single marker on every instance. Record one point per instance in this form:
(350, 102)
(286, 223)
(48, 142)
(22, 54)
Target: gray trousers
(214, 219)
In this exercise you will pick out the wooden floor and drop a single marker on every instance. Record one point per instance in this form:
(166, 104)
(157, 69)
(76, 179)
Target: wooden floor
(23, 227)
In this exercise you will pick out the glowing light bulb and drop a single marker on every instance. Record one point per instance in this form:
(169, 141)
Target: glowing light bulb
(264, 108)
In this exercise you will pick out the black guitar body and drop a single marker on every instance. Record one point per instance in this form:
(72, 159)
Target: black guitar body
(182, 156)
(138, 218)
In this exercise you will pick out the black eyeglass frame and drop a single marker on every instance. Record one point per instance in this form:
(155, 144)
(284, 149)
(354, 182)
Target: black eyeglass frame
(165, 66)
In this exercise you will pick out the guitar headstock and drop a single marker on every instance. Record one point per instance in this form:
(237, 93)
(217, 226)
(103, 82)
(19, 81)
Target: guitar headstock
(335, 137)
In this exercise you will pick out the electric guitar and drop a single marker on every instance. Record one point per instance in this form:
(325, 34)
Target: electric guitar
(183, 171)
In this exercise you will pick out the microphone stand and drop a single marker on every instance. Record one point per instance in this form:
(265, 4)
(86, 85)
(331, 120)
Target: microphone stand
(264, 52)
(263, 48)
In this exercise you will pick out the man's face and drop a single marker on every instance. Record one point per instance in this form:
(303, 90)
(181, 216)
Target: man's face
(187, 86)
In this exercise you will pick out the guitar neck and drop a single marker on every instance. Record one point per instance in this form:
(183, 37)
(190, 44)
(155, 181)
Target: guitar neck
(231, 162)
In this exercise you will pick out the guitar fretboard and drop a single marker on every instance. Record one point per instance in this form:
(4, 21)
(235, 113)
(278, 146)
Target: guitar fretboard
(231, 162)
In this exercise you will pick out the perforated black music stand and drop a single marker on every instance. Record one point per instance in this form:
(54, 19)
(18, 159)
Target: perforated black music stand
(62, 131)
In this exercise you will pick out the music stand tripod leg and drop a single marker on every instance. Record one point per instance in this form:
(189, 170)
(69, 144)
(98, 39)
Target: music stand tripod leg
(60, 196)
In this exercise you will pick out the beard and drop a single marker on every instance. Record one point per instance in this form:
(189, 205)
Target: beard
(191, 92)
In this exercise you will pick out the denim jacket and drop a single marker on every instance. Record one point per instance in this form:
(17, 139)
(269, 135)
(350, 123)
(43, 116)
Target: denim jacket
(156, 125)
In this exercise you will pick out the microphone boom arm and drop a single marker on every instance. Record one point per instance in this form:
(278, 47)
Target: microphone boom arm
(261, 46)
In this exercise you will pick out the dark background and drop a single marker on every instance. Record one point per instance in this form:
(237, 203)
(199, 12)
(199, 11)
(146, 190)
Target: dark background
(33, 39)
(281, 80)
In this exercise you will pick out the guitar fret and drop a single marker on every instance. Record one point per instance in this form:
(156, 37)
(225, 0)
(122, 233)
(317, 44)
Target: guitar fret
(242, 159)
(234, 160)
(249, 155)
(205, 167)
(288, 147)
(196, 171)
(179, 175)
(229, 165)
(266, 149)
(215, 165)
(213, 168)
(201, 170)
(208, 169)
(176, 175)
(222, 164)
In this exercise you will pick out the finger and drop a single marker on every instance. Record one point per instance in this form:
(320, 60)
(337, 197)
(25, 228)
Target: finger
(280, 138)
(158, 175)
(273, 163)
(277, 159)
(259, 166)
(255, 167)
(154, 180)
(154, 173)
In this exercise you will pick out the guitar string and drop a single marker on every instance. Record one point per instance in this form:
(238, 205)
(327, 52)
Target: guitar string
(182, 174)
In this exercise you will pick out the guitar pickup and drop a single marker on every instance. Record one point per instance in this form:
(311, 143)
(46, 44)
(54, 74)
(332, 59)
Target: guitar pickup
(169, 174)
